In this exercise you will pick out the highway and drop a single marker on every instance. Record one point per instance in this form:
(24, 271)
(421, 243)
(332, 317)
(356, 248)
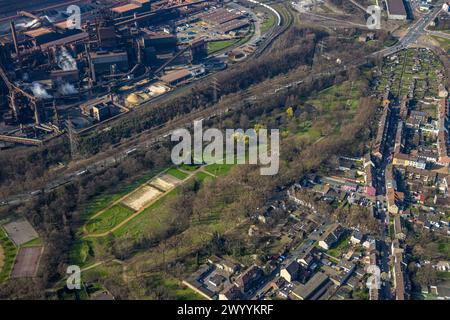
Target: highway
(159, 133)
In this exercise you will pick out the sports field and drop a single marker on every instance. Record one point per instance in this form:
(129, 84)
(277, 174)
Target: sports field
(27, 262)
(20, 231)
(141, 197)
(165, 182)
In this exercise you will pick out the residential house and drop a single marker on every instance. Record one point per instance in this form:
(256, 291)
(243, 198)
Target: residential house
(313, 289)
(357, 237)
(332, 237)
(369, 243)
(223, 264)
(230, 293)
(443, 266)
(290, 271)
(250, 278)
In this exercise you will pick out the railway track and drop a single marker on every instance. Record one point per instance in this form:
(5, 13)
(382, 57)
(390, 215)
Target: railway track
(286, 22)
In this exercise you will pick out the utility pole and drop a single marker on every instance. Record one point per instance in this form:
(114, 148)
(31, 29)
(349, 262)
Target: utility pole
(73, 139)
(321, 46)
(216, 89)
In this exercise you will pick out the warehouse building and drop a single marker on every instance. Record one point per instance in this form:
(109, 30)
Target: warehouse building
(135, 6)
(175, 77)
(396, 10)
(224, 21)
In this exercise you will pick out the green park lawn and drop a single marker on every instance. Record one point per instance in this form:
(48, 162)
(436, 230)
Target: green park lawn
(202, 176)
(102, 201)
(150, 222)
(268, 23)
(219, 169)
(108, 219)
(33, 243)
(177, 173)
(219, 45)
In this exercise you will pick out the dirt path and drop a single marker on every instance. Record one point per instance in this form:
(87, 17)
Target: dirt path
(202, 169)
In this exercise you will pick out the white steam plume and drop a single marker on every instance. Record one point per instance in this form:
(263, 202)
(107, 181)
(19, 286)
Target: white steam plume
(66, 61)
(66, 88)
(39, 91)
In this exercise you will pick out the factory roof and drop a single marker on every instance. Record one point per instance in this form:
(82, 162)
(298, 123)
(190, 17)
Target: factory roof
(65, 40)
(396, 7)
(232, 25)
(38, 32)
(126, 8)
(61, 24)
(100, 54)
(176, 75)
(220, 16)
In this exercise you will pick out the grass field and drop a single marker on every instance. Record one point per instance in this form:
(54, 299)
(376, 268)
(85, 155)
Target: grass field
(443, 43)
(213, 47)
(202, 176)
(33, 243)
(268, 23)
(305, 129)
(219, 169)
(344, 94)
(177, 173)
(102, 201)
(174, 288)
(81, 252)
(444, 247)
(9, 255)
(109, 219)
(189, 167)
(149, 222)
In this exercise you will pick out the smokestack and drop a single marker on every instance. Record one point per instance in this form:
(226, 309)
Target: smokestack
(90, 64)
(37, 118)
(14, 36)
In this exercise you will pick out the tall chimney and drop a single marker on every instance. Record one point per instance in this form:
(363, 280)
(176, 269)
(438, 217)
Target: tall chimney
(14, 36)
